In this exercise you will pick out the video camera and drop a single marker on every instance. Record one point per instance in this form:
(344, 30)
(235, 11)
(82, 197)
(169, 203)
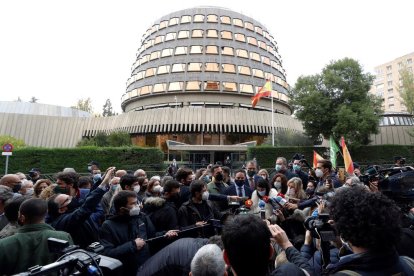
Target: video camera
(302, 160)
(320, 228)
(74, 261)
(371, 174)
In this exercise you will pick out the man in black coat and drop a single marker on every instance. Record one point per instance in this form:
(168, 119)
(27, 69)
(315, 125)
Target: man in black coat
(240, 188)
(124, 235)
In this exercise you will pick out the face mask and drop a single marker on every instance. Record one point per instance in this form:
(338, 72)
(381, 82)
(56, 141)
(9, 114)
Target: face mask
(134, 211)
(296, 168)
(291, 191)
(251, 173)
(261, 193)
(277, 185)
(204, 196)
(137, 188)
(157, 189)
(113, 187)
(219, 177)
(175, 197)
(89, 168)
(278, 168)
(29, 191)
(310, 191)
(206, 179)
(74, 204)
(60, 190)
(17, 187)
(318, 173)
(239, 182)
(264, 176)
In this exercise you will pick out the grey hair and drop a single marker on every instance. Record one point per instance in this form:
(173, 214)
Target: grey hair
(284, 161)
(208, 261)
(355, 181)
(5, 193)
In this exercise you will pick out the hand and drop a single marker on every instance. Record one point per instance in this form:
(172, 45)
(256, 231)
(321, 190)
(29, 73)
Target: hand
(321, 206)
(291, 206)
(373, 187)
(308, 237)
(280, 236)
(108, 175)
(170, 234)
(279, 215)
(201, 223)
(139, 243)
(233, 198)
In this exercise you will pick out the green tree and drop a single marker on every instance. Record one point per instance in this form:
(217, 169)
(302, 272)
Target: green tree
(107, 109)
(288, 138)
(101, 139)
(336, 102)
(406, 88)
(119, 139)
(17, 143)
(84, 104)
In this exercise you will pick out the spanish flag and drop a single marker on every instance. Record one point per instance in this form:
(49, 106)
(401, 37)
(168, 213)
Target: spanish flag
(265, 91)
(349, 166)
(316, 158)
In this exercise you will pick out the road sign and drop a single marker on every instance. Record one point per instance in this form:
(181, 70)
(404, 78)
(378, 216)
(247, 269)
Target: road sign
(8, 147)
(7, 151)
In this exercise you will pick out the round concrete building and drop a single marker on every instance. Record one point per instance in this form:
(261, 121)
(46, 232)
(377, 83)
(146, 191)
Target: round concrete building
(195, 74)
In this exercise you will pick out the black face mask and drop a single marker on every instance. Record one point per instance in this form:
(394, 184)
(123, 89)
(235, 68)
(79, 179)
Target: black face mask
(17, 187)
(219, 177)
(175, 197)
(239, 182)
(73, 205)
(251, 173)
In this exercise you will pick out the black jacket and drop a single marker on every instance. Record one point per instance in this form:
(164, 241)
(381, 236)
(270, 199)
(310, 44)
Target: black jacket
(174, 260)
(118, 234)
(162, 215)
(188, 214)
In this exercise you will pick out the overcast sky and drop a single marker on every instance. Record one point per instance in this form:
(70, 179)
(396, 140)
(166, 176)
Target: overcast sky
(63, 51)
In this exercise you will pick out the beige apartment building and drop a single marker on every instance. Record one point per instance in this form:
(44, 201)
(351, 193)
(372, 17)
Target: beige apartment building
(387, 83)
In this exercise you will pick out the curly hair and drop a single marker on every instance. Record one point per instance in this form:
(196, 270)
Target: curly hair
(365, 219)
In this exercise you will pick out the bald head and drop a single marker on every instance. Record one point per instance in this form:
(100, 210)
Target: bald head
(120, 173)
(12, 181)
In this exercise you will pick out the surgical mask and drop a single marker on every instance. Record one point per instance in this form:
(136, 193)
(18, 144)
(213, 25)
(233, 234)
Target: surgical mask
(17, 187)
(291, 191)
(205, 195)
(89, 168)
(262, 193)
(29, 191)
(251, 173)
(219, 177)
(318, 173)
(296, 168)
(264, 177)
(134, 211)
(113, 187)
(206, 179)
(239, 182)
(278, 167)
(309, 191)
(137, 188)
(157, 189)
(277, 185)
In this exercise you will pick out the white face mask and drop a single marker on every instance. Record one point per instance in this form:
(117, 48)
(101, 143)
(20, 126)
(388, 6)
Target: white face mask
(291, 191)
(205, 195)
(157, 189)
(318, 173)
(29, 191)
(137, 188)
(134, 211)
(277, 185)
(261, 193)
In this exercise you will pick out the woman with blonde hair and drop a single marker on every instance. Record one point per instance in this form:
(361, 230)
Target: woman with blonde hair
(295, 191)
(40, 185)
(48, 192)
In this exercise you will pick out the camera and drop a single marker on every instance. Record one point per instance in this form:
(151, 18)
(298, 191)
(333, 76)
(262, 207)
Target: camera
(320, 228)
(371, 174)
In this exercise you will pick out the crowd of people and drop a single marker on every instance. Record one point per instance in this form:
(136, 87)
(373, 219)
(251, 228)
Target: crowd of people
(291, 220)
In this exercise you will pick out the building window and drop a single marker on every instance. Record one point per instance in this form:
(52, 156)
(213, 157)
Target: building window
(212, 34)
(170, 36)
(159, 39)
(240, 37)
(155, 55)
(252, 40)
(139, 75)
(163, 24)
(212, 86)
(225, 20)
(183, 34)
(150, 72)
(159, 87)
(198, 18)
(249, 26)
(194, 67)
(212, 18)
(227, 51)
(178, 67)
(246, 88)
(258, 73)
(255, 56)
(181, 50)
(244, 70)
(229, 86)
(390, 91)
(389, 83)
(262, 45)
(211, 50)
(167, 52)
(176, 86)
(145, 90)
(149, 43)
(212, 67)
(228, 68)
(266, 60)
(197, 33)
(193, 86)
(226, 35)
(185, 19)
(154, 28)
(173, 21)
(409, 61)
(163, 69)
(389, 68)
(258, 30)
(196, 49)
(389, 76)
(242, 53)
(237, 22)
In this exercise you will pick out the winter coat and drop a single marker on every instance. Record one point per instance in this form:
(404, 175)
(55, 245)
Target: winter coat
(188, 214)
(296, 266)
(268, 207)
(161, 214)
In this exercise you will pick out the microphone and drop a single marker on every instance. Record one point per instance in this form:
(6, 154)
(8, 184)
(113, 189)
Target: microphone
(277, 202)
(262, 205)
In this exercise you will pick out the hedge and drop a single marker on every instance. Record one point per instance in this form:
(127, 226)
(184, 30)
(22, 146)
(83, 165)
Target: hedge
(50, 161)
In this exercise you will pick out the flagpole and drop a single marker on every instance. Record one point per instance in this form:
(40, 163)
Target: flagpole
(273, 119)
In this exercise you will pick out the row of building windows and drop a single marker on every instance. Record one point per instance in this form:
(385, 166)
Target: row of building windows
(181, 86)
(206, 67)
(208, 50)
(398, 121)
(211, 33)
(210, 18)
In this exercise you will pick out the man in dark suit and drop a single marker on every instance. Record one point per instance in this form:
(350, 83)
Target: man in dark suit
(252, 177)
(240, 188)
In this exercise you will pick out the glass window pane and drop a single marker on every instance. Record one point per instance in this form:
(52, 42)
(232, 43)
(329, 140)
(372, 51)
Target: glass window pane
(242, 53)
(183, 34)
(159, 39)
(163, 69)
(193, 86)
(181, 50)
(145, 90)
(249, 26)
(167, 52)
(212, 86)
(155, 55)
(173, 21)
(176, 86)
(258, 73)
(227, 51)
(258, 30)
(225, 20)
(244, 70)
(228, 68)
(392, 120)
(198, 18)
(255, 56)
(194, 66)
(150, 72)
(240, 37)
(212, 67)
(196, 49)
(197, 33)
(212, 18)
(229, 86)
(246, 88)
(139, 75)
(163, 24)
(212, 33)
(145, 59)
(178, 67)
(170, 36)
(252, 40)
(237, 22)
(159, 87)
(266, 60)
(226, 35)
(154, 28)
(185, 19)
(212, 50)
(262, 45)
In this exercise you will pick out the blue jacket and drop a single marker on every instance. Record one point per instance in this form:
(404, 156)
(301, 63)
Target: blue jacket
(232, 190)
(315, 259)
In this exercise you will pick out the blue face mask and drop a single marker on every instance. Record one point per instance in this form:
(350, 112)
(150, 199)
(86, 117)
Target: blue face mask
(278, 167)
(296, 168)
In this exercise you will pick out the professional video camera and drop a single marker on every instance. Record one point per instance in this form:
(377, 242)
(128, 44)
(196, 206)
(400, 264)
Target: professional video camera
(371, 174)
(75, 261)
(320, 228)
